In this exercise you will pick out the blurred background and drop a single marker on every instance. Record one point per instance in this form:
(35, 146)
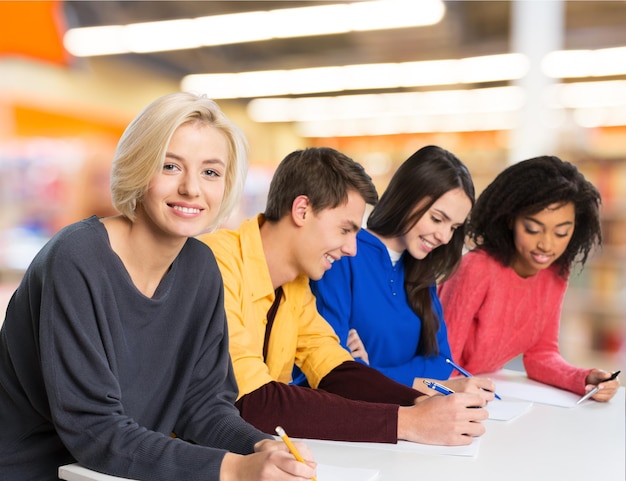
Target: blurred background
(494, 82)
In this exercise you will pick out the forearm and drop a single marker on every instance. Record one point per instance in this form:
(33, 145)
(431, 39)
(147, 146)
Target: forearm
(551, 368)
(354, 380)
(317, 414)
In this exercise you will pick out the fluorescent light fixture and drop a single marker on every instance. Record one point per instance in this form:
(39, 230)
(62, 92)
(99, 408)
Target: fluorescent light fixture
(408, 124)
(267, 83)
(383, 114)
(585, 63)
(347, 107)
(592, 104)
(323, 19)
(600, 117)
(610, 93)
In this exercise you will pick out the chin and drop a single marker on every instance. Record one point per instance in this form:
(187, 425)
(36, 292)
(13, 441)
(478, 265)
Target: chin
(316, 276)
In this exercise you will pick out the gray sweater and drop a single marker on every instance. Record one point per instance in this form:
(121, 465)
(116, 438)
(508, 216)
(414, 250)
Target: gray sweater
(93, 371)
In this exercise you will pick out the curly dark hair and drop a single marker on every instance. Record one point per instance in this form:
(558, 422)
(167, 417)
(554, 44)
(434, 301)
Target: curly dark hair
(425, 176)
(526, 188)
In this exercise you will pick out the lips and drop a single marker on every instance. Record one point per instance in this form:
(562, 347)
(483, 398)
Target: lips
(541, 258)
(186, 210)
(428, 245)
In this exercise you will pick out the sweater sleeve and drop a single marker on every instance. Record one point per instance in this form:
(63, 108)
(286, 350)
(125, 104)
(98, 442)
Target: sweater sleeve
(317, 414)
(543, 361)
(354, 380)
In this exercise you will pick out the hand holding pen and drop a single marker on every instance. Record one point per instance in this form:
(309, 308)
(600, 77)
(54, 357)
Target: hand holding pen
(598, 377)
(440, 388)
(468, 375)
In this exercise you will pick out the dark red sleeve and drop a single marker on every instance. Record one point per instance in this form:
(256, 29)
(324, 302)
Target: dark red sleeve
(354, 380)
(317, 414)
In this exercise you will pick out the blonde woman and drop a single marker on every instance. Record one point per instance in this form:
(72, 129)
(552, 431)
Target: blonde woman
(116, 338)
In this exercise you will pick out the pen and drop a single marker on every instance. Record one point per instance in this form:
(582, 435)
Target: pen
(596, 389)
(440, 388)
(465, 373)
(292, 449)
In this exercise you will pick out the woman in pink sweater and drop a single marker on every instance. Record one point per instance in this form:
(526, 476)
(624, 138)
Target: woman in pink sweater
(529, 227)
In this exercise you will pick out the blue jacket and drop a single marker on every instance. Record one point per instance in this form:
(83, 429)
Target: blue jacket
(366, 292)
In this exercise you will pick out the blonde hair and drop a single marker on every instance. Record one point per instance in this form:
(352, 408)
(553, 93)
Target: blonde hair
(140, 153)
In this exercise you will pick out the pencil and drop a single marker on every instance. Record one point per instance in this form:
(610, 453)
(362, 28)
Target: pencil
(292, 449)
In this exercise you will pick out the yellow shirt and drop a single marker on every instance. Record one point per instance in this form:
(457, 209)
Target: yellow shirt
(299, 333)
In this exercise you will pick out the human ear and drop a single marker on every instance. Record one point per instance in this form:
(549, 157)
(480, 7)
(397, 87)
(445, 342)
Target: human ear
(299, 209)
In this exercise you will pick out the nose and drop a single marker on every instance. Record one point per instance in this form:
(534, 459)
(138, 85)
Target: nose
(444, 234)
(349, 248)
(544, 243)
(189, 185)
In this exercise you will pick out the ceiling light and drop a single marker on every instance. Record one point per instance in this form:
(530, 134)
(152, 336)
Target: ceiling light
(610, 93)
(324, 19)
(267, 83)
(446, 102)
(408, 124)
(600, 117)
(585, 63)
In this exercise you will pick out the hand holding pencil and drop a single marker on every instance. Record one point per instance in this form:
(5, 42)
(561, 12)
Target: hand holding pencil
(292, 448)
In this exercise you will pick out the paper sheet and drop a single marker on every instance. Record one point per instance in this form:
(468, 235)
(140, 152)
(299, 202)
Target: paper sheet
(506, 410)
(529, 390)
(470, 450)
(325, 472)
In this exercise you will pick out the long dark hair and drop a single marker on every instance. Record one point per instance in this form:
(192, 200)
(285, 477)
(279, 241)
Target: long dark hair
(422, 178)
(526, 188)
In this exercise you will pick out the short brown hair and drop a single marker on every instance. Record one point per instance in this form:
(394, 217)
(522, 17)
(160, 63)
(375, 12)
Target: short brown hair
(323, 174)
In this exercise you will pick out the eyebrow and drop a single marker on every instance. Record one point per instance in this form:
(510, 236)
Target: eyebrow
(206, 161)
(562, 224)
(442, 214)
(447, 217)
(353, 226)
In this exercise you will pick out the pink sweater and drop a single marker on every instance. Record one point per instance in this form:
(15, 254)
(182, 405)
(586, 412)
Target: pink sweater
(493, 315)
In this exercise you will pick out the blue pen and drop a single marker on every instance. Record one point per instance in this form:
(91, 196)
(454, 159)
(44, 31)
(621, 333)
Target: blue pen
(465, 373)
(440, 388)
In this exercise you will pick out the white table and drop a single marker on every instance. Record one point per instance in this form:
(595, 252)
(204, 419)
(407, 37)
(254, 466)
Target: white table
(546, 443)
(583, 443)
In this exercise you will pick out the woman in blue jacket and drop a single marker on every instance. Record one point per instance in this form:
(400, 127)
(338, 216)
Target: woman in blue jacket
(383, 302)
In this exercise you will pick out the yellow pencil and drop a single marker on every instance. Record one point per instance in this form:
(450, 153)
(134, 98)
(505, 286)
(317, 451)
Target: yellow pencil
(292, 449)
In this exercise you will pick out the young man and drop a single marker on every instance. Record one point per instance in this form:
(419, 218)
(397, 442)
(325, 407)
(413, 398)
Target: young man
(314, 209)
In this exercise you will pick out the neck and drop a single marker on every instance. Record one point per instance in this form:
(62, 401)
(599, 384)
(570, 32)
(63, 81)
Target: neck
(147, 257)
(277, 241)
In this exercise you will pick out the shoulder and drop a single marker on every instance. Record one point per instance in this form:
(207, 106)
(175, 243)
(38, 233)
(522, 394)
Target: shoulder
(75, 241)
(477, 271)
(368, 241)
(195, 251)
(248, 233)
(478, 260)
(221, 239)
